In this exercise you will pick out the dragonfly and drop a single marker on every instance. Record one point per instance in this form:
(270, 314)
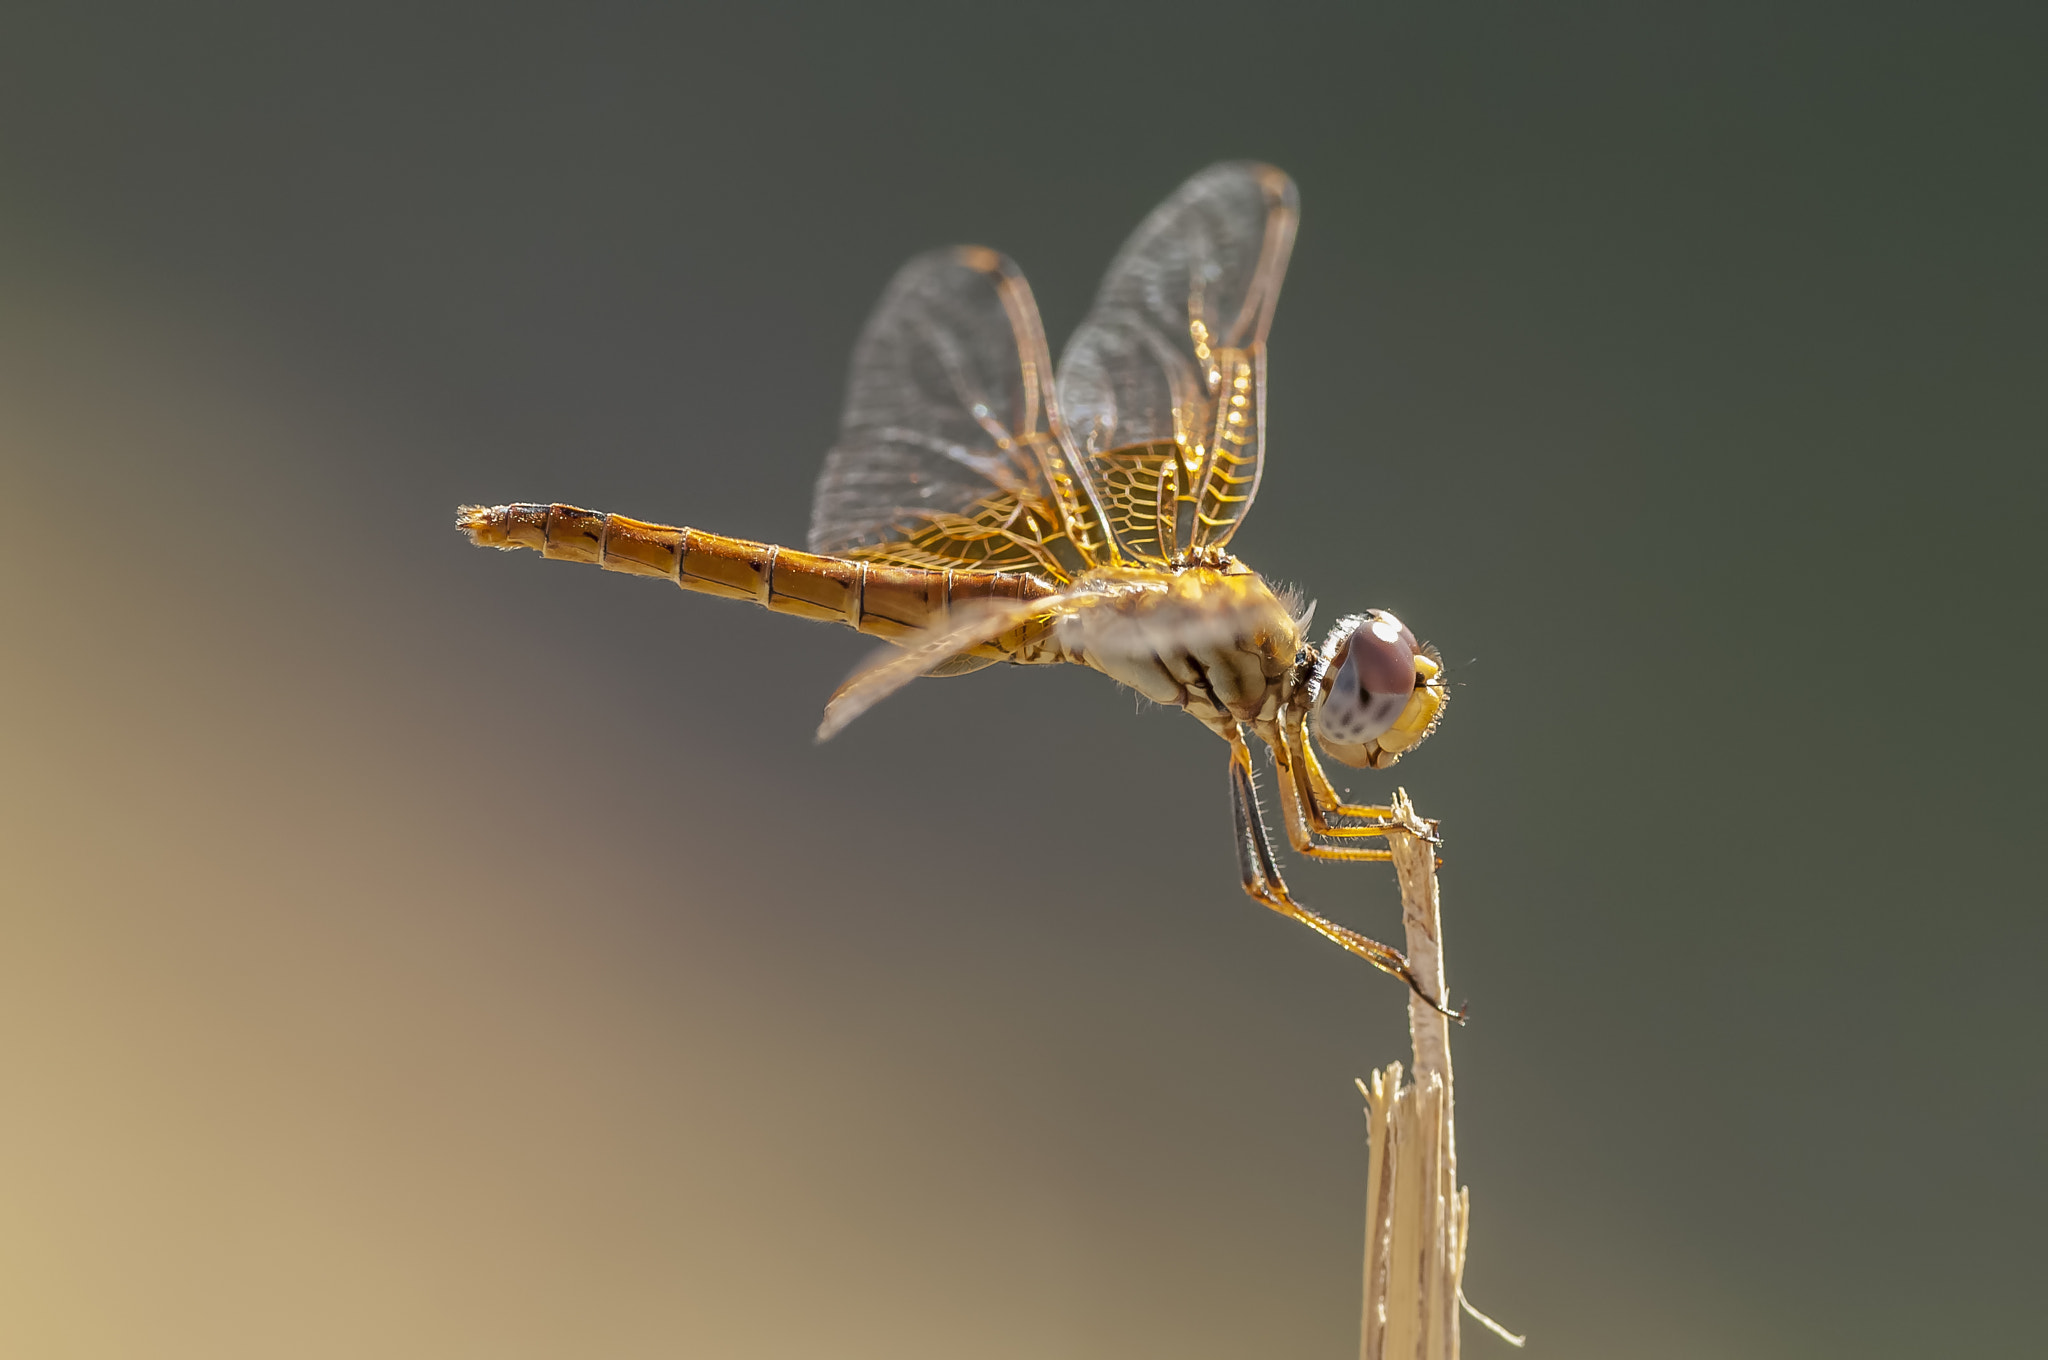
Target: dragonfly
(980, 506)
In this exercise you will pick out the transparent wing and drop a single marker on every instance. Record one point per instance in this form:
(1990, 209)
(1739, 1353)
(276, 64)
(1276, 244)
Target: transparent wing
(1163, 387)
(933, 651)
(948, 452)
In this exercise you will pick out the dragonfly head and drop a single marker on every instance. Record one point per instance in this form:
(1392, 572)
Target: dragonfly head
(1375, 692)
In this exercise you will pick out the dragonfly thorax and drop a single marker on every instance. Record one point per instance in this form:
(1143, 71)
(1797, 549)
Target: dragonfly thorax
(1212, 638)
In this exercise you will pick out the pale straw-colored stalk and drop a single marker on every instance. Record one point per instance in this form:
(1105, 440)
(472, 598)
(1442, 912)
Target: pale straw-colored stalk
(1416, 1212)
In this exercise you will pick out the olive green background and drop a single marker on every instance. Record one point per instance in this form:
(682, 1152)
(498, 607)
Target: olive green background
(412, 951)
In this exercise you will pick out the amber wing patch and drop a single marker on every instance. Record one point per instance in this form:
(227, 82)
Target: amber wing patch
(1141, 496)
(1008, 531)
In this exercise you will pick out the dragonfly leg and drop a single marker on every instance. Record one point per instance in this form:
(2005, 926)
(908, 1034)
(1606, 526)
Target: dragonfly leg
(1324, 801)
(1263, 884)
(1303, 820)
(1309, 802)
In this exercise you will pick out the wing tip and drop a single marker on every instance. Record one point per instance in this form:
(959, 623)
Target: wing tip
(1276, 184)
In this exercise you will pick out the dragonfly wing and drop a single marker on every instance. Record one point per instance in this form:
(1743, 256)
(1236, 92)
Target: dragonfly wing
(949, 450)
(1163, 386)
(890, 669)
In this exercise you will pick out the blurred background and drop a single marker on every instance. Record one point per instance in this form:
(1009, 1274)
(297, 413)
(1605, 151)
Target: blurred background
(413, 951)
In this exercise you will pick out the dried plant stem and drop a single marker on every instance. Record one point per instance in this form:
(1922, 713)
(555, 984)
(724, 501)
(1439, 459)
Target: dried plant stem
(1416, 1213)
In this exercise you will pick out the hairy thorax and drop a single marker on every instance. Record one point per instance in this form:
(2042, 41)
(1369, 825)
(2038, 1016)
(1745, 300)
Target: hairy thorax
(1210, 637)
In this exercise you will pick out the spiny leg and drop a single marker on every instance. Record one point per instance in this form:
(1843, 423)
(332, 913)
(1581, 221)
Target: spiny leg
(1324, 800)
(1299, 816)
(1263, 884)
(1314, 801)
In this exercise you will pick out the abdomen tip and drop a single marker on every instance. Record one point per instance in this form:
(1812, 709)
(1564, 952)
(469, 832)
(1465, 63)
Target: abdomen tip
(485, 525)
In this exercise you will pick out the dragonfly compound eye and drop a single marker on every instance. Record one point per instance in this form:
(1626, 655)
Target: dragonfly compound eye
(1370, 681)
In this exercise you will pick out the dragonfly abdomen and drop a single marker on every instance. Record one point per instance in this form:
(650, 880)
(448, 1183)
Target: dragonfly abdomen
(885, 601)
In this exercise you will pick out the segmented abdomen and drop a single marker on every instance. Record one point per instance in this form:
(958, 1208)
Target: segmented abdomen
(888, 602)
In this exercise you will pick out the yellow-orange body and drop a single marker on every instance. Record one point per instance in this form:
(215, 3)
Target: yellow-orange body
(1207, 635)
(888, 602)
(977, 508)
